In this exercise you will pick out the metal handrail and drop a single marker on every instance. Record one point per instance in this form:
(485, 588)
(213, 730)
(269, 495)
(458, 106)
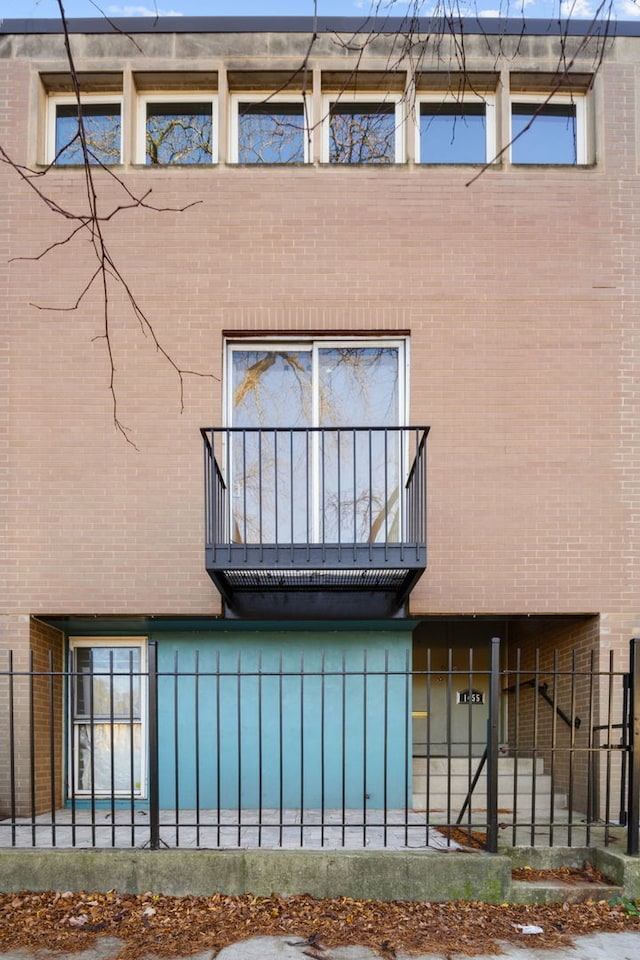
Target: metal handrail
(263, 485)
(542, 689)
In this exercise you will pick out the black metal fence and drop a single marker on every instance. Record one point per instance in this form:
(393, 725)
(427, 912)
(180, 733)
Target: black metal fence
(331, 751)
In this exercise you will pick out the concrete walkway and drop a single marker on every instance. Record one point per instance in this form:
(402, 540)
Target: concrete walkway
(597, 946)
(266, 829)
(286, 829)
(602, 946)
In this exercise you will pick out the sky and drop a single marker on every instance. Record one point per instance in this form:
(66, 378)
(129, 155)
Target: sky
(625, 9)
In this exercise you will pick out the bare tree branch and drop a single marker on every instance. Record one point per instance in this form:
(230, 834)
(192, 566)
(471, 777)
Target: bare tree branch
(91, 223)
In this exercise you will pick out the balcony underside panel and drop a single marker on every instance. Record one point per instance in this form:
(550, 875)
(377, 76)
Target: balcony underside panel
(311, 580)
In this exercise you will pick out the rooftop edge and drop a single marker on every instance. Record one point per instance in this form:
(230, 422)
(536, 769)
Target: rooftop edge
(385, 25)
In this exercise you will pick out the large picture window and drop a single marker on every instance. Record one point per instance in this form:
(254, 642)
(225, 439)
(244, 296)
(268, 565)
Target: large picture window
(107, 704)
(321, 386)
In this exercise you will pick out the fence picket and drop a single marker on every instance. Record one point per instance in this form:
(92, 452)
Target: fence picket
(329, 753)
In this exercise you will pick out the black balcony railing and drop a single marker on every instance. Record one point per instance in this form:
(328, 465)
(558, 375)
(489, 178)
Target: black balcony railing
(306, 520)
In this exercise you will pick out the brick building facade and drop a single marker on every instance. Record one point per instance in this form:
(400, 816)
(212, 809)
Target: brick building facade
(502, 287)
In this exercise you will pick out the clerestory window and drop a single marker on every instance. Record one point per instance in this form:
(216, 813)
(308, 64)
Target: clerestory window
(361, 129)
(176, 130)
(548, 131)
(101, 124)
(269, 129)
(455, 130)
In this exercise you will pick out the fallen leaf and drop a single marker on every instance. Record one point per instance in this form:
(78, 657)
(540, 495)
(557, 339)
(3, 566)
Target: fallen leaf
(78, 921)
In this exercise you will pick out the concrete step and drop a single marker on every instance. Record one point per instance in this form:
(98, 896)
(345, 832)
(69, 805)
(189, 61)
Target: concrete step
(507, 786)
(460, 766)
(547, 891)
(523, 803)
(522, 811)
(520, 781)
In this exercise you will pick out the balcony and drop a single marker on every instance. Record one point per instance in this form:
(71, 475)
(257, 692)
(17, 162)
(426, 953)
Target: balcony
(305, 523)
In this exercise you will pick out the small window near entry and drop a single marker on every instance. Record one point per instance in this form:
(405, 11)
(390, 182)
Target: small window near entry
(363, 131)
(548, 132)
(102, 124)
(269, 130)
(456, 131)
(176, 131)
(107, 717)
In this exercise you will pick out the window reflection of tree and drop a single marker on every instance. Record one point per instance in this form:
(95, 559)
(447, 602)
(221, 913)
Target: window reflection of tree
(102, 130)
(256, 371)
(364, 365)
(174, 137)
(270, 134)
(362, 133)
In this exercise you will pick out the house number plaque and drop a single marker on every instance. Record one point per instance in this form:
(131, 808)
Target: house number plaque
(470, 697)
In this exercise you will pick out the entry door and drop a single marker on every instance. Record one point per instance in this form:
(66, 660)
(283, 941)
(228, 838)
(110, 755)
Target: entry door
(309, 485)
(450, 691)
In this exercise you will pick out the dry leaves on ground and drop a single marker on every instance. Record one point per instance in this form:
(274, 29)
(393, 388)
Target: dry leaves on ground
(181, 926)
(585, 874)
(467, 838)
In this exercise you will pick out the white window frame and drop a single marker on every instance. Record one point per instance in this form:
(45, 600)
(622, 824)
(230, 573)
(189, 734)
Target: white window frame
(397, 99)
(88, 99)
(489, 103)
(144, 99)
(76, 643)
(577, 100)
(237, 98)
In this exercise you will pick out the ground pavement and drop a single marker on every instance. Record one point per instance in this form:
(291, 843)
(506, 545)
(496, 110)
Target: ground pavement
(597, 946)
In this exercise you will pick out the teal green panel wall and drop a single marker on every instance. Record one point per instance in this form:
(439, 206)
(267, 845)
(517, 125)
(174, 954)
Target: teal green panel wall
(285, 719)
